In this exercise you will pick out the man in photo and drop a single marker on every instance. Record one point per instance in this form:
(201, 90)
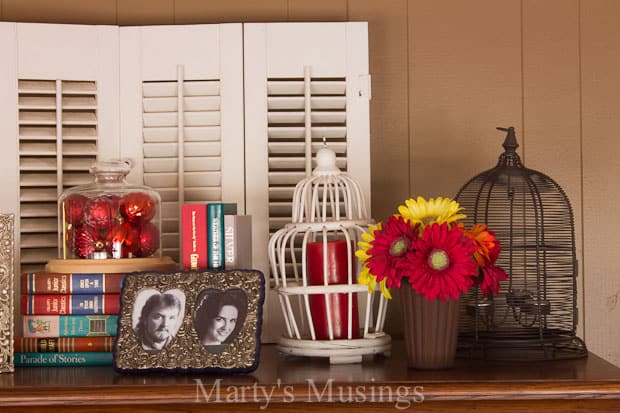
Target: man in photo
(158, 322)
(219, 317)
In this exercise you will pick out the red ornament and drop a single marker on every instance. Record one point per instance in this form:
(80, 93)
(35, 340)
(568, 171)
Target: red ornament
(98, 213)
(123, 241)
(74, 207)
(87, 241)
(137, 207)
(149, 240)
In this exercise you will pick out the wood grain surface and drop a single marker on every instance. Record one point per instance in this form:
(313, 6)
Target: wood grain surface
(282, 383)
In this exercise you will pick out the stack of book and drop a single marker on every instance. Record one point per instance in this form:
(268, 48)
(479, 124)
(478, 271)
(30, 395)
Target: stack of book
(214, 237)
(68, 319)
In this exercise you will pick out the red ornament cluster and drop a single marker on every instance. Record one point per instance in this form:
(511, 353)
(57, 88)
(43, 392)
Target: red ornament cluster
(118, 226)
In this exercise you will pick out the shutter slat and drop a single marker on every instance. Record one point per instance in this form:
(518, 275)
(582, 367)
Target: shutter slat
(77, 164)
(299, 147)
(296, 87)
(79, 133)
(29, 179)
(37, 118)
(79, 102)
(287, 162)
(190, 88)
(28, 225)
(76, 179)
(297, 102)
(79, 118)
(281, 193)
(37, 102)
(37, 133)
(36, 86)
(169, 119)
(190, 104)
(170, 224)
(37, 164)
(286, 178)
(204, 194)
(35, 210)
(155, 165)
(298, 132)
(170, 180)
(195, 149)
(40, 240)
(70, 87)
(282, 209)
(170, 239)
(38, 255)
(38, 194)
(192, 134)
(82, 149)
(37, 149)
(299, 117)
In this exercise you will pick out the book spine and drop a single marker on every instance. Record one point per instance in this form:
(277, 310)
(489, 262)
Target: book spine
(69, 326)
(215, 235)
(59, 283)
(72, 359)
(82, 304)
(63, 344)
(194, 237)
(237, 242)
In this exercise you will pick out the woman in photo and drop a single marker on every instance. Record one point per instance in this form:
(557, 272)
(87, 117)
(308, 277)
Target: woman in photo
(219, 316)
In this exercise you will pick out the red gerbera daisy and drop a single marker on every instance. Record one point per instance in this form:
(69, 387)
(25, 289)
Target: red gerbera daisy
(388, 255)
(441, 265)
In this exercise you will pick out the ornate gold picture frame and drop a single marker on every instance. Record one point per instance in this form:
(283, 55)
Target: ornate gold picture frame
(190, 322)
(6, 292)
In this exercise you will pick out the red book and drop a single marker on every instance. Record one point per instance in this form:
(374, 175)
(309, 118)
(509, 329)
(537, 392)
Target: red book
(194, 237)
(57, 304)
(63, 344)
(59, 283)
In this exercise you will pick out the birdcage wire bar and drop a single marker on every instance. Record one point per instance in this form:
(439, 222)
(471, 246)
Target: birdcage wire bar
(534, 315)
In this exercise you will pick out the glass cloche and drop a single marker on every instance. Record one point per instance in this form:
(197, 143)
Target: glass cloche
(110, 218)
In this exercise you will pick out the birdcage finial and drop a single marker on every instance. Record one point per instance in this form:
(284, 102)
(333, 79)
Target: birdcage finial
(510, 143)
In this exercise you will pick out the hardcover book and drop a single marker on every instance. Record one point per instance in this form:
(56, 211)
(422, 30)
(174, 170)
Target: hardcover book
(63, 344)
(69, 325)
(66, 304)
(215, 235)
(72, 359)
(194, 237)
(60, 283)
(237, 242)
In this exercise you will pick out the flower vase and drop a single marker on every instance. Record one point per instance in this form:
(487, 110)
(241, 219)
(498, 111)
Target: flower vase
(431, 330)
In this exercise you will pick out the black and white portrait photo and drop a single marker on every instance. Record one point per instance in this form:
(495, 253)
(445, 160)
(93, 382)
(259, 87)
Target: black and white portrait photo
(190, 321)
(219, 316)
(157, 317)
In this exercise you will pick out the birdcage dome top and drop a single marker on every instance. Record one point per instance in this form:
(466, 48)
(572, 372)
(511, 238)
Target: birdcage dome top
(328, 194)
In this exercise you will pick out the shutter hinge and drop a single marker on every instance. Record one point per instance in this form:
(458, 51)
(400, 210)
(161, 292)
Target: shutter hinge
(364, 87)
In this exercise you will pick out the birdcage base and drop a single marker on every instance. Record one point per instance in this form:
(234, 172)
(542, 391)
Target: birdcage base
(338, 351)
(555, 345)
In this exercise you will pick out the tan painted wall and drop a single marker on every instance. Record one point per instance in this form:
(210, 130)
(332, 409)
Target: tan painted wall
(445, 74)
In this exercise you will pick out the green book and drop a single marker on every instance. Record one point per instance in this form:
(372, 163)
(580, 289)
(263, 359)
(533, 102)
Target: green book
(215, 236)
(69, 325)
(63, 359)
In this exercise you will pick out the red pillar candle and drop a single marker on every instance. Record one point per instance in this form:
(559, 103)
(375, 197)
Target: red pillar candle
(337, 273)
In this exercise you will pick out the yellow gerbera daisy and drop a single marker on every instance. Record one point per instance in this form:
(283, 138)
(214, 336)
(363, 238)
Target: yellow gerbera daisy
(435, 210)
(365, 277)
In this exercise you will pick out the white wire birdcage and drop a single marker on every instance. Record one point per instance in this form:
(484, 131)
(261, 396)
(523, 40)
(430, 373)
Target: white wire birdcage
(327, 313)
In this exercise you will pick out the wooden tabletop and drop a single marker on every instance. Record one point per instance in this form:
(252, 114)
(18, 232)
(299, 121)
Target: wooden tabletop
(284, 382)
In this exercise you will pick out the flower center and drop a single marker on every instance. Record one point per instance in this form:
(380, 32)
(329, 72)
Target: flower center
(438, 260)
(399, 246)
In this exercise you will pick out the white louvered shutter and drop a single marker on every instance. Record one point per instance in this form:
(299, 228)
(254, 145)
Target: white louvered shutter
(182, 116)
(281, 62)
(60, 89)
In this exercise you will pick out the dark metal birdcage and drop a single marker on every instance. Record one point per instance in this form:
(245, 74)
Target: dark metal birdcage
(534, 315)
